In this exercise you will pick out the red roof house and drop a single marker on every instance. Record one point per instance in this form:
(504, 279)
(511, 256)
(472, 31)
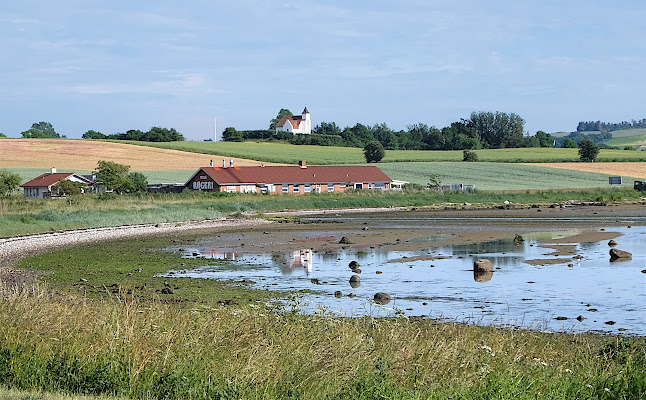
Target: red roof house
(45, 184)
(296, 123)
(289, 179)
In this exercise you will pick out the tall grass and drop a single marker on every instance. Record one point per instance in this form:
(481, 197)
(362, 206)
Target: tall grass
(23, 216)
(119, 346)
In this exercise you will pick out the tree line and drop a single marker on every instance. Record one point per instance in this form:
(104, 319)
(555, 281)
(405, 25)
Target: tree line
(483, 130)
(589, 126)
(45, 130)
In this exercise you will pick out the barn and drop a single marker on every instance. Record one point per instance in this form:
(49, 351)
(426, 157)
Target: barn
(289, 179)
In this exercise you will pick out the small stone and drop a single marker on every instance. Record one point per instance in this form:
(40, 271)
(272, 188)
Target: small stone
(570, 265)
(315, 281)
(610, 322)
(424, 303)
(83, 280)
(381, 298)
(355, 278)
(580, 318)
(338, 294)
(356, 271)
(612, 243)
(166, 291)
(432, 266)
(379, 272)
(518, 240)
(353, 264)
(345, 240)
(560, 318)
(352, 295)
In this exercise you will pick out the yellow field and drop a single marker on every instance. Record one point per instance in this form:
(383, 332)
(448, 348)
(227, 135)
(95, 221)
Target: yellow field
(84, 155)
(627, 169)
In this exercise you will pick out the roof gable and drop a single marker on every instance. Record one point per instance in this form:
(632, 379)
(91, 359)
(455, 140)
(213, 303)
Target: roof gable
(293, 120)
(49, 179)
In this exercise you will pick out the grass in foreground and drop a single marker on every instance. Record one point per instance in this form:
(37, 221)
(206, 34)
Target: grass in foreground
(26, 216)
(323, 155)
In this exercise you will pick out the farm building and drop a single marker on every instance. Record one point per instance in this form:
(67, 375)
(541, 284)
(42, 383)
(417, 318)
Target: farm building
(295, 123)
(45, 185)
(296, 179)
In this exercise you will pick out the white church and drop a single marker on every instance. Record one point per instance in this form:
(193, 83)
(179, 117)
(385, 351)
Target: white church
(296, 123)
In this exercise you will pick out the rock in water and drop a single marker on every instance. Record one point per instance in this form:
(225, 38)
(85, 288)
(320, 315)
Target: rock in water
(482, 265)
(353, 265)
(482, 276)
(381, 298)
(355, 281)
(345, 240)
(612, 243)
(518, 240)
(616, 254)
(338, 294)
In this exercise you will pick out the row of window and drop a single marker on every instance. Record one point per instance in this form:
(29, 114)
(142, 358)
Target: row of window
(307, 188)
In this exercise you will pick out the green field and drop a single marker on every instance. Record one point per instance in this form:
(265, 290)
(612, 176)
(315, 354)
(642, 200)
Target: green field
(323, 155)
(628, 133)
(635, 141)
(484, 175)
(499, 176)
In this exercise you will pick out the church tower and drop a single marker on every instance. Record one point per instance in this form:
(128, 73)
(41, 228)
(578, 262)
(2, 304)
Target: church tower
(307, 121)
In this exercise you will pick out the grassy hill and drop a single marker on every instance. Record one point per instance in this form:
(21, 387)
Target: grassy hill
(325, 155)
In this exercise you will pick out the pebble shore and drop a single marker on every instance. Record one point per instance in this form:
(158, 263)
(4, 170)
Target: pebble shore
(15, 247)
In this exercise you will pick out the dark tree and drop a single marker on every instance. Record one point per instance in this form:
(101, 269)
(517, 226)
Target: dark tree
(569, 144)
(139, 182)
(498, 129)
(231, 135)
(93, 135)
(374, 152)
(279, 116)
(588, 150)
(544, 139)
(2, 135)
(41, 130)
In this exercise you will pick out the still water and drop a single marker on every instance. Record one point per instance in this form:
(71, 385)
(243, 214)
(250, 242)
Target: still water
(586, 294)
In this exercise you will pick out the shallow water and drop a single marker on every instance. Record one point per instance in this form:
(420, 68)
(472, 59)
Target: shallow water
(516, 294)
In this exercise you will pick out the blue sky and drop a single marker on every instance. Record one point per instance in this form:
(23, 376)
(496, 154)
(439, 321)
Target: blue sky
(116, 65)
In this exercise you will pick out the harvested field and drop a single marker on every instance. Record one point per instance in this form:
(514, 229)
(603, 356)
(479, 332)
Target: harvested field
(632, 169)
(84, 155)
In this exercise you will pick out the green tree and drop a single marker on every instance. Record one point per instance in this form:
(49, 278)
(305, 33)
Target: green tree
(374, 152)
(9, 181)
(139, 182)
(498, 129)
(588, 150)
(279, 116)
(114, 176)
(70, 188)
(2, 135)
(93, 135)
(469, 156)
(40, 130)
(232, 135)
(569, 144)
(544, 139)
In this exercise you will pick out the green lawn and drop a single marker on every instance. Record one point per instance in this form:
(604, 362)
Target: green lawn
(323, 155)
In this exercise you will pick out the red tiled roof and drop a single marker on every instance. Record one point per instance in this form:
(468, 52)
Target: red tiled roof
(295, 174)
(49, 179)
(294, 120)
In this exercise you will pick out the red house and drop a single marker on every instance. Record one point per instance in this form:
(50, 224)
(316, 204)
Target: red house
(45, 185)
(297, 179)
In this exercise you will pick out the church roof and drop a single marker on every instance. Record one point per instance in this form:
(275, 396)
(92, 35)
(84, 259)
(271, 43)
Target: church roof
(294, 120)
(305, 111)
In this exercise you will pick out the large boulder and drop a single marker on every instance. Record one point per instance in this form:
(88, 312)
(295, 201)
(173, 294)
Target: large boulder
(381, 298)
(482, 265)
(355, 281)
(617, 255)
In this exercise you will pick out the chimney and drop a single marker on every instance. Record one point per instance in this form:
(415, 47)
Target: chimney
(302, 164)
(211, 162)
(53, 170)
(224, 163)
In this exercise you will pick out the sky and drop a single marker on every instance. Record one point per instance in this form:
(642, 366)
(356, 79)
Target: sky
(111, 66)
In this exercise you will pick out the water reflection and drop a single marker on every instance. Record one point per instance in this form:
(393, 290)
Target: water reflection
(482, 276)
(441, 282)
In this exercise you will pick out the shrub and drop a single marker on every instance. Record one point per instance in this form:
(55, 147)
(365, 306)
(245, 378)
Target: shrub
(9, 181)
(588, 150)
(470, 156)
(374, 152)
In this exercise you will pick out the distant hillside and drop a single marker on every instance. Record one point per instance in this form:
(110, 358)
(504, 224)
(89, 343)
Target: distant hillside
(588, 126)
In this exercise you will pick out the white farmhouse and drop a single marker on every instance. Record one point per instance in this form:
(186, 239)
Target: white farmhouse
(295, 123)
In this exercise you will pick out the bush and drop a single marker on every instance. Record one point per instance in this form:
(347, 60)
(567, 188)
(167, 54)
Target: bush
(9, 181)
(469, 156)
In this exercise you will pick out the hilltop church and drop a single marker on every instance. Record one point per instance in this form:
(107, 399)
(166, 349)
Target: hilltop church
(295, 123)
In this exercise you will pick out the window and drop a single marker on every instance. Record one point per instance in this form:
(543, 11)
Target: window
(285, 188)
(297, 188)
(231, 189)
(330, 187)
(307, 188)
